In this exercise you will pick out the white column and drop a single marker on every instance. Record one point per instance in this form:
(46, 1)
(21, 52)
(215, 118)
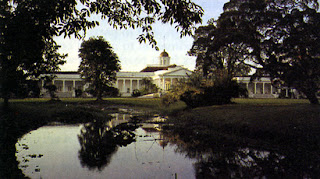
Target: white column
(287, 92)
(116, 86)
(124, 85)
(164, 83)
(42, 88)
(138, 84)
(130, 86)
(271, 90)
(170, 82)
(263, 88)
(63, 85)
(255, 88)
(247, 86)
(74, 88)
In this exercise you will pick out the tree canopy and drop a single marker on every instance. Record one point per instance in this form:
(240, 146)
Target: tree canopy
(27, 28)
(99, 64)
(230, 57)
(278, 38)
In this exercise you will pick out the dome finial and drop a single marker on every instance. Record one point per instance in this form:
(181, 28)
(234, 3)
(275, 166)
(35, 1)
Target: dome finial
(164, 54)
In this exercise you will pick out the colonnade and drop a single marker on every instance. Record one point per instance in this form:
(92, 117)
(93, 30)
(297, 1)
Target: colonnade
(64, 87)
(127, 85)
(272, 89)
(123, 88)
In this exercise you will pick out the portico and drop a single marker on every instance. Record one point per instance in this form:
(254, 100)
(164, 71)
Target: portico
(66, 83)
(261, 88)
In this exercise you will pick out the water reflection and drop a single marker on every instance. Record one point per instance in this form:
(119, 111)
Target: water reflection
(219, 156)
(124, 148)
(102, 149)
(99, 140)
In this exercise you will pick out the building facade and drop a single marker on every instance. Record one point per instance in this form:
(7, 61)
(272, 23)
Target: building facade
(164, 75)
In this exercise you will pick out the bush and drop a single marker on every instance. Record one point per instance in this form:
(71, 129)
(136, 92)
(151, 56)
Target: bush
(136, 93)
(199, 91)
(212, 95)
(107, 91)
(110, 92)
(78, 93)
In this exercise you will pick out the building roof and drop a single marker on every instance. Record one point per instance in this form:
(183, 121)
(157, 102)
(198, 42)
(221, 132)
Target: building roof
(157, 68)
(67, 72)
(164, 54)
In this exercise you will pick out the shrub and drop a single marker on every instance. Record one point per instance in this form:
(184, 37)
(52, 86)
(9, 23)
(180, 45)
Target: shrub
(78, 93)
(199, 91)
(136, 93)
(106, 92)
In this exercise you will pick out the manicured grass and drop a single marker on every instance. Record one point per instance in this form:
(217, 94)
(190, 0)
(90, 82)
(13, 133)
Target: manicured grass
(271, 121)
(275, 101)
(152, 104)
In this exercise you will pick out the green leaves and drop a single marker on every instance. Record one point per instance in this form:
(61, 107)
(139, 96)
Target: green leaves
(278, 36)
(99, 64)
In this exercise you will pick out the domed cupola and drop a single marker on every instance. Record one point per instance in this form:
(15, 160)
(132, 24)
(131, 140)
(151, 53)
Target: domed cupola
(164, 58)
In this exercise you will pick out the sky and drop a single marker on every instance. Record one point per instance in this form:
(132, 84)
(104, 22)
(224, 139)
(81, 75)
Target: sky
(134, 56)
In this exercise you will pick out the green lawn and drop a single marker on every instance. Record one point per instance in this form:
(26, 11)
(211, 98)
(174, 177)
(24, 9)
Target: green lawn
(272, 121)
(275, 101)
(152, 104)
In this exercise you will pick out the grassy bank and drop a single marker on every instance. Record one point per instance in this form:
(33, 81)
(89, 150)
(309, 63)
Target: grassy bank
(152, 104)
(268, 122)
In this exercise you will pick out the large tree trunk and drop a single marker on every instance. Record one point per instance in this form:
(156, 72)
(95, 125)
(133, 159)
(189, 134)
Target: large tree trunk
(311, 97)
(99, 93)
(5, 103)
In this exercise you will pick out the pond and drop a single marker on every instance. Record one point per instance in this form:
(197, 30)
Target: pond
(108, 149)
(143, 146)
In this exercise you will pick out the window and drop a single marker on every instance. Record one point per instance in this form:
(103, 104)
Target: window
(69, 88)
(128, 90)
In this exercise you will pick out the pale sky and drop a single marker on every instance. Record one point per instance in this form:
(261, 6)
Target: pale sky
(134, 56)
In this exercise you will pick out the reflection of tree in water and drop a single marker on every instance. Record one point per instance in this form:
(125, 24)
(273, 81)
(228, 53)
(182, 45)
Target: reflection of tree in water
(99, 141)
(219, 156)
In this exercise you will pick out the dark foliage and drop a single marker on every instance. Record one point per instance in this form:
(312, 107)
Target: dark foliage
(280, 38)
(78, 93)
(28, 28)
(107, 91)
(99, 64)
(213, 95)
(198, 90)
(136, 93)
(99, 142)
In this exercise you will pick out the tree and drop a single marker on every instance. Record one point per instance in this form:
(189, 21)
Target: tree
(230, 57)
(198, 90)
(99, 142)
(280, 37)
(148, 86)
(99, 64)
(27, 28)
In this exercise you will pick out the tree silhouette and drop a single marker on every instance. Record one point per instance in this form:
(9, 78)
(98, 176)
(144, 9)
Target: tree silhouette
(279, 39)
(99, 142)
(27, 29)
(99, 64)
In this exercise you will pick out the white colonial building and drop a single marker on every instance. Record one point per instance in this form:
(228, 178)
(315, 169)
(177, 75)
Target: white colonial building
(164, 75)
